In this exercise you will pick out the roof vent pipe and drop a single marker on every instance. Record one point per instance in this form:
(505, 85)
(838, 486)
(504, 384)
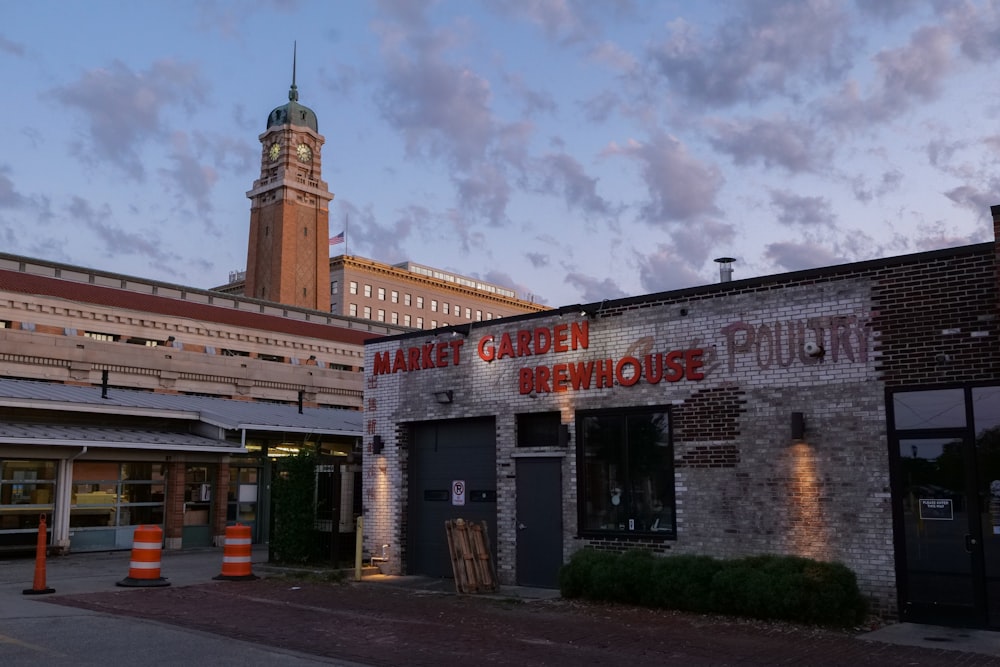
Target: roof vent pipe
(725, 268)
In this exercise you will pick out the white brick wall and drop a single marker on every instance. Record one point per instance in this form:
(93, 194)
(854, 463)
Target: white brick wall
(827, 498)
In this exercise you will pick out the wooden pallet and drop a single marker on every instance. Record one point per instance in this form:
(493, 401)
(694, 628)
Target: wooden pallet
(469, 546)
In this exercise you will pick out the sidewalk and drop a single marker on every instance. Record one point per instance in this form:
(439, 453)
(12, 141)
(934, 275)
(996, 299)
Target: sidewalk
(34, 631)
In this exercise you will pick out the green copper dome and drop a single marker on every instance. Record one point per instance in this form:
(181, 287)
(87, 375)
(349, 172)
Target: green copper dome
(293, 113)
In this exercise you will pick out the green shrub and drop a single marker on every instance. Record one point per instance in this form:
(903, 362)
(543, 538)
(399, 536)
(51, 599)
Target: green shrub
(768, 587)
(577, 578)
(293, 538)
(682, 582)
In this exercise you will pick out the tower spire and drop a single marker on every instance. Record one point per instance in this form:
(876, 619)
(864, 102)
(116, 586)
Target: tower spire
(293, 92)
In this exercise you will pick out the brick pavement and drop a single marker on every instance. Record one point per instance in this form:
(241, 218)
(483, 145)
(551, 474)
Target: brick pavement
(378, 624)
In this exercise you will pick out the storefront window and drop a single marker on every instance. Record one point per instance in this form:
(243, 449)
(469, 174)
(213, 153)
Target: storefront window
(107, 493)
(27, 488)
(626, 472)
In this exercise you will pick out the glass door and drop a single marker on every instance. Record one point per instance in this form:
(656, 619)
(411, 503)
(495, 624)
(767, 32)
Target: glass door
(945, 453)
(942, 541)
(242, 499)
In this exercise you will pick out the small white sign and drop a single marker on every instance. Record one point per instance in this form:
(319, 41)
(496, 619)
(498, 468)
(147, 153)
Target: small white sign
(458, 492)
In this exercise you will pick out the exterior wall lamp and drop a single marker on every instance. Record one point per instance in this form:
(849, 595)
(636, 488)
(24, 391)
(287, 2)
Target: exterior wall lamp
(798, 426)
(446, 396)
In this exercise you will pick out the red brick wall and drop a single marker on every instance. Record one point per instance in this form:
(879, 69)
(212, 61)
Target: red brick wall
(220, 495)
(174, 502)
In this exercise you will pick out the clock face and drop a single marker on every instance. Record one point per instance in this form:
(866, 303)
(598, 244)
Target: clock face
(304, 152)
(274, 151)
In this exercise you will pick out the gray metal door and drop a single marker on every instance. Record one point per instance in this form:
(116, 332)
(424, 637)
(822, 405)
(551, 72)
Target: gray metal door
(442, 453)
(539, 521)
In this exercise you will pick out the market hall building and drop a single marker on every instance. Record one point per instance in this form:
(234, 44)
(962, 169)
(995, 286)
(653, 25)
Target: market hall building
(849, 413)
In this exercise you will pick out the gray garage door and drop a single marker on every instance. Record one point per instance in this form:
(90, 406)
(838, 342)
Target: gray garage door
(443, 453)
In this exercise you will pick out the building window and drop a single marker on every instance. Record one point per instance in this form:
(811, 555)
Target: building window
(538, 429)
(626, 472)
(394, 296)
(434, 324)
(97, 335)
(489, 316)
(368, 291)
(444, 308)
(457, 312)
(335, 287)
(27, 488)
(479, 316)
(107, 494)
(381, 315)
(420, 302)
(468, 313)
(434, 305)
(146, 342)
(381, 294)
(394, 317)
(406, 299)
(420, 323)
(406, 320)
(352, 310)
(353, 287)
(368, 312)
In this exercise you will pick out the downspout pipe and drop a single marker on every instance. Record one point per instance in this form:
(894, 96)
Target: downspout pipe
(61, 508)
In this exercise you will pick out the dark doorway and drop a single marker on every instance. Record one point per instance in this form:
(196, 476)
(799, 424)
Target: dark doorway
(443, 454)
(539, 521)
(945, 453)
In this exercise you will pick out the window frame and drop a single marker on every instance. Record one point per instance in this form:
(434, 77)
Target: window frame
(628, 478)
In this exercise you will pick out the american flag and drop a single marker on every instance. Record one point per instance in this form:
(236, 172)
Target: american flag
(339, 238)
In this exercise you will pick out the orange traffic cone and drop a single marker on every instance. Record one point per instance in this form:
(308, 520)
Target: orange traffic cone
(236, 554)
(38, 587)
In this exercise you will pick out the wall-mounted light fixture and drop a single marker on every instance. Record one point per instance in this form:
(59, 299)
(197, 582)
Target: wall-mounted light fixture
(377, 445)
(446, 396)
(798, 426)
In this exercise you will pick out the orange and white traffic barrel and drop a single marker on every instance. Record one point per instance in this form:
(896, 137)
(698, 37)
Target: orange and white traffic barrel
(144, 567)
(236, 554)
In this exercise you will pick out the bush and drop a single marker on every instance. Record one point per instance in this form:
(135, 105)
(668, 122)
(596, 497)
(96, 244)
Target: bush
(768, 587)
(293, 538)
(683, 583)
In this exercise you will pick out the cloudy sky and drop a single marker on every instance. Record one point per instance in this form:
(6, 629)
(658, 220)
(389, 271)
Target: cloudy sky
(574, 150)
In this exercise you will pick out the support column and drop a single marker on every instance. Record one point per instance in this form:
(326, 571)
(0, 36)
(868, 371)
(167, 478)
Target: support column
(173, 506)
(221, 504)
(63, 498)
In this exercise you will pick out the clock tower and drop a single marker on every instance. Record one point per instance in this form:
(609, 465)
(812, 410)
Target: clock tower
(288, 256)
